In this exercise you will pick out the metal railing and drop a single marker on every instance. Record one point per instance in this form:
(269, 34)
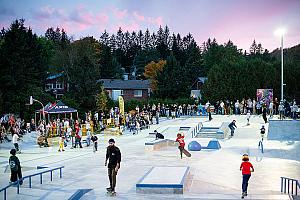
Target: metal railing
(261, 146)
(17, 183)
(196, 130)
(289, 186)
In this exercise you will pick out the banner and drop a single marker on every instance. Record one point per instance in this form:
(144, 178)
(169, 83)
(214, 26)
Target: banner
(121, 105)
(265, 96)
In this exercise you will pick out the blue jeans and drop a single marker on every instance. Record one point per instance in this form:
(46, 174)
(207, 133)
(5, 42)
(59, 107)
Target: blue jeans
(246, 178)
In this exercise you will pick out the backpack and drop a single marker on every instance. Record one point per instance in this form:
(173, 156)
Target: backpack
(13, 165)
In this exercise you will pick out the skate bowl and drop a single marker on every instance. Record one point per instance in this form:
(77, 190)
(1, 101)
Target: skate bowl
(158, 144)
(284, 130)
(164, 180)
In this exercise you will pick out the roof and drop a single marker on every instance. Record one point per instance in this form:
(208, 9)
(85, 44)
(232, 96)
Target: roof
(58, 107)
(125, 84)
(54, 76)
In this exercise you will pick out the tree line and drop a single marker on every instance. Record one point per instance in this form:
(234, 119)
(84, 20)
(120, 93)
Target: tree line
(171, 61)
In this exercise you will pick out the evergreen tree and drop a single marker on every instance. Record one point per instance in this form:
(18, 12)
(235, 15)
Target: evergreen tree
(23, 67)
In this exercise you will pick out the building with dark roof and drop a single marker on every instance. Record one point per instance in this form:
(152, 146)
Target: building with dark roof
(128, 89)
(56, 85)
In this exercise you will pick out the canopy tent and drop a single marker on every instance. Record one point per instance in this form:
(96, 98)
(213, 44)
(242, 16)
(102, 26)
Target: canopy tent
(60, 107)
(56, 108)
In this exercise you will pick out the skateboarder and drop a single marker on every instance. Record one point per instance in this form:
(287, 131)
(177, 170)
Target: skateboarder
(180, 140)
(262, 132)
(246, 168)
(158, 135)
(231, 126)
(15, 167)
(113, 154)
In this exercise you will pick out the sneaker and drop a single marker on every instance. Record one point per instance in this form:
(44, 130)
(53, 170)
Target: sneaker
(245, 194)
(108, 189)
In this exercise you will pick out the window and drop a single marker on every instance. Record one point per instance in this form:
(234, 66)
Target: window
(59, 96)
(138, 93)
(49, 86)
(59, 86)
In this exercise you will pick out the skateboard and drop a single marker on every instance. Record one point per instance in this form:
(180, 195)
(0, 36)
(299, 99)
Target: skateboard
(110, 193)
(188, 154)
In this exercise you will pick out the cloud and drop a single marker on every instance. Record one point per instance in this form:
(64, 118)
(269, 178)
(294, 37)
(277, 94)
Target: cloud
(130, 27)
(78, 19)
(119, 14)
(157, 20)
(138, 17)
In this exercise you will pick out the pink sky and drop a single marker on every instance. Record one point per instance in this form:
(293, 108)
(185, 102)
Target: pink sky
(240, 21)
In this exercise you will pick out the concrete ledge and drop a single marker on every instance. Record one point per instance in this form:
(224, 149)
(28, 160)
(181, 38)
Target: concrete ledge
(158, 144)
(163, 180)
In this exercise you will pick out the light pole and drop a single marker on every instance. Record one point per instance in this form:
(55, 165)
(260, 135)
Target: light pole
(280, 32)
(31, 100)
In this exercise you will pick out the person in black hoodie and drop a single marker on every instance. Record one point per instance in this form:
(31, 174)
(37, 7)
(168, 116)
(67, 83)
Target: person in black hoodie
(15, 167)
(113, 154)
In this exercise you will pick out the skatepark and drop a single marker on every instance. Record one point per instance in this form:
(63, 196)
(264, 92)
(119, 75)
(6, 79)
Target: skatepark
(159, 173)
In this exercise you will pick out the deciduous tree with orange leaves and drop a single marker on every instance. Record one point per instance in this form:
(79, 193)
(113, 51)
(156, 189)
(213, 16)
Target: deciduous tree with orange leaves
(151, 71)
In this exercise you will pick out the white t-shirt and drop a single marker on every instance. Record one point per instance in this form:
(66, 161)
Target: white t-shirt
(15, 138)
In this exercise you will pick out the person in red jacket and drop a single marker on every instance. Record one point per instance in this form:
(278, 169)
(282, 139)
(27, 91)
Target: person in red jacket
(246, 168)
(180, 140)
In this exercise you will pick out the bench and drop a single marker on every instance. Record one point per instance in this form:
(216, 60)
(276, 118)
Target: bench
(164, 180)
(159, 143)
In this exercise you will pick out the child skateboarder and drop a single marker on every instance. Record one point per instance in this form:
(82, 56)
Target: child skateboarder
(15, 167)
(113, 154)
(246, 168)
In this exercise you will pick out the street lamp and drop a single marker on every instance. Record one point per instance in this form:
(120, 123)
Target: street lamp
(31, 100)
(280, 32)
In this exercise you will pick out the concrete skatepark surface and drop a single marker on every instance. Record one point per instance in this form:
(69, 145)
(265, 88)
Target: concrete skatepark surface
(214, 174)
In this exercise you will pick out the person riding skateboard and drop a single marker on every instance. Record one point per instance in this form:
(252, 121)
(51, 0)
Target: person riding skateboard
(180, 140)
(113, 154)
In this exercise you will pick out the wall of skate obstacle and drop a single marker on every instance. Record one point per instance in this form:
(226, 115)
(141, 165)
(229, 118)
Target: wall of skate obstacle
(158, 144)
(164, 180)
(284, 130)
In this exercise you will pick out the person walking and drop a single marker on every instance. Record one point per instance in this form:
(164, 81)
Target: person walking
(15, 167)
(113, 155)
(94, 138)
(15, 139)
(246, 168)
(232, 127)
(264, 114)
(248, 117)
(88, 138)
(61, 142)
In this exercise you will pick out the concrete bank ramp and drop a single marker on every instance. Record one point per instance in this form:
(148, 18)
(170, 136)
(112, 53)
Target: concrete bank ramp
(284, 130)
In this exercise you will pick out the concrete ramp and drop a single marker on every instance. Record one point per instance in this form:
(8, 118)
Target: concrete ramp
(163, 180)
(284, 130)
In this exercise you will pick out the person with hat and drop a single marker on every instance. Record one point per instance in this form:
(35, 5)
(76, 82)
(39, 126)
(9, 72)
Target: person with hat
(113, 155)
(15, 167)
(246, 168)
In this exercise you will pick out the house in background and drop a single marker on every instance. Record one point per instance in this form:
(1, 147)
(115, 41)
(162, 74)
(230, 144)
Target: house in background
(128, 89)
(56, 85)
